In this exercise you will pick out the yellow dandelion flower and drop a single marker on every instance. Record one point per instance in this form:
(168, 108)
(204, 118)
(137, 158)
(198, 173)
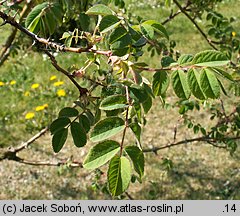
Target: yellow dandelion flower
(61, 93)
(58, 83)
(13, 82)
(45, 106)
(52, 78)
(29, 115)
(2, 83)
(39, 108)
(234, 34)
(35, 86)
(27, 93)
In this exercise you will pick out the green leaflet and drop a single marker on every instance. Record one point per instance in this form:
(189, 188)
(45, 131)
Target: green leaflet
(222, 88)
(85, 122)
(168, 3)
(90, 117)
(137, 158)
(210, 58)
(180, 84)
(106, 128)
(119, 175)
(35, 24)
(45, 18)
(113, 102)
(147, 30)
(167, 61)
(59, 138)
(35, 13)
(147, 104)
(84, 21)
(122, 42)
(78, 134)
(149, 90)
(194, 84)
(209, 84)
(138, 92)
(68, 112)
(157, 27)
(99, 9)
(222, 73)
(185, 59)
(117, 34)
(136, 129)
(58, 124)
(108, 23)
(160, 83)
(121, 46)
(101, 154)
(50, 22)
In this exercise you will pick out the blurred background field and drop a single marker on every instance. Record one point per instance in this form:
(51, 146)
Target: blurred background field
(32, 93)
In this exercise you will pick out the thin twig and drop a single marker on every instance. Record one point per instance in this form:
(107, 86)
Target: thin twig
(5, 52)
(82, 91)
(223, 109)
(43, 41)
(126, 121)
(129, 196)
(30, 141)
(207, 140)
(198, 139)
(73, 164)
(196, 25)
(171, 16)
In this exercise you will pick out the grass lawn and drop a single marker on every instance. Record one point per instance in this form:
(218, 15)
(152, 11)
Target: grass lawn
(199, 171)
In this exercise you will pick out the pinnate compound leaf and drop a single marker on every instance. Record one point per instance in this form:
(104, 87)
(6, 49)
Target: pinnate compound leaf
(119, 175)
(78, 134)
(101, 154)
(106, 128)
(99, 9)
(59, 138)
(137, 158)
(160, 83)
(194, 84)
(180, 84)
(108, 23)
(113, 102)
(58, 124)
(68, 112)
(209, 84)
(210, 58)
